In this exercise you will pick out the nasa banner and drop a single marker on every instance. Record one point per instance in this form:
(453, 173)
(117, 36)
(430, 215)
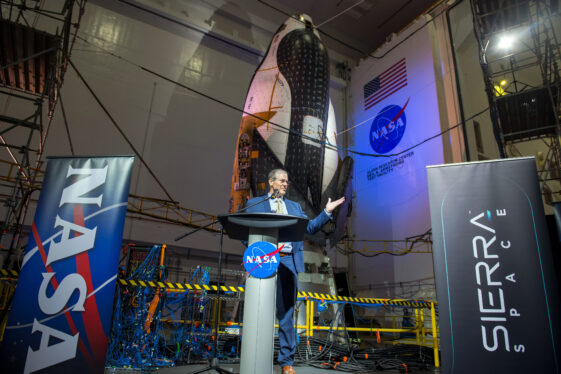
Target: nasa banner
(497, 295)
(394, 110)
(61, 311)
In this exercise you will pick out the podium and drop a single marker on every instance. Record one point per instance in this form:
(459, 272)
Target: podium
(260, 293)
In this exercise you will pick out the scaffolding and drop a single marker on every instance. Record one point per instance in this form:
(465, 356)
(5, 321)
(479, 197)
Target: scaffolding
(36, 41)
(520, 58)
(179, 331)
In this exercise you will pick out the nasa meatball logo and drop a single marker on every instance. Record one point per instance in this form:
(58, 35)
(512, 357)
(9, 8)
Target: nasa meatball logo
(261, 259)
(388, 128)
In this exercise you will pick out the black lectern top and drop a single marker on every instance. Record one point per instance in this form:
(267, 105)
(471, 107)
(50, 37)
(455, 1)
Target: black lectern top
(291, 228)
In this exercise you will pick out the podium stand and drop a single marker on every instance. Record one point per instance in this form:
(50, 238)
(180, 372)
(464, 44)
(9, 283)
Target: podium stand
(260, 293)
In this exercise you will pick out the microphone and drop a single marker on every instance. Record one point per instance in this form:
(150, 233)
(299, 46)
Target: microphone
(274, 195)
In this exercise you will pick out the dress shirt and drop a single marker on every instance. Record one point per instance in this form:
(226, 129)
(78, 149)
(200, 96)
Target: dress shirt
(273, 202)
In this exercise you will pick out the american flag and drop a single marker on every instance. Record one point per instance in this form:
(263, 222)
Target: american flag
(390, 81)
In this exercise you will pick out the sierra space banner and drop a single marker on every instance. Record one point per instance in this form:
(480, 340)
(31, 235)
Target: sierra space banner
(61, 311)
(498, 298)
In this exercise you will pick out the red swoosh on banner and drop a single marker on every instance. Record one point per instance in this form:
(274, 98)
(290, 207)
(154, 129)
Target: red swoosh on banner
(392, 121)
(54, 283)
(269, 254)
(92, 322)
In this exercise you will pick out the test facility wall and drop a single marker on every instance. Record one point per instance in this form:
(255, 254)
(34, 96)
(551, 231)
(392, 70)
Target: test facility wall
(139, 61)
(394, 109)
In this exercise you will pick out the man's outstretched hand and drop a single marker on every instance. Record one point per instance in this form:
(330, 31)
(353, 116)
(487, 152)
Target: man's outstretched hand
(332, 205)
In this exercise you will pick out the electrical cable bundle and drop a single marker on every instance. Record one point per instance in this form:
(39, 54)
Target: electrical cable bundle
(332, 353)
(328, 354)
(154, 327)
(136, 339)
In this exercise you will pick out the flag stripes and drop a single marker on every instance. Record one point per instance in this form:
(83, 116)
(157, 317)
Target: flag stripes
(386, 84)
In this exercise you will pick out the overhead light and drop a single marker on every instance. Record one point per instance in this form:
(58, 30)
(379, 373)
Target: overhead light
(499, 91)
(503, 82)
(505, 42)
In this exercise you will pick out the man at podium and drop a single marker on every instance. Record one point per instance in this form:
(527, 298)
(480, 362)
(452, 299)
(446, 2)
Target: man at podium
(291, 260)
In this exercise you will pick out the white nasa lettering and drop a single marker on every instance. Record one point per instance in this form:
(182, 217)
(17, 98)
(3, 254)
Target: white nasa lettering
(72, 194)
(70, 246)
(49, 355)
(384, 131)
(260, 259)
(505, 245)
(501, 213)
(377, 134)
(510, 277)
(57, 302)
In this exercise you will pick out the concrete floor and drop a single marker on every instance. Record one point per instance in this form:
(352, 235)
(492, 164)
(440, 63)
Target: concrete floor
(276, 370)
(188, 369)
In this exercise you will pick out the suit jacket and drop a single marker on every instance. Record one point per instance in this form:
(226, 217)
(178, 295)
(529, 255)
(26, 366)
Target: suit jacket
(293, 208)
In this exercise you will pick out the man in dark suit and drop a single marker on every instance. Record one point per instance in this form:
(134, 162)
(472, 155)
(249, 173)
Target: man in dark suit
(291, 261)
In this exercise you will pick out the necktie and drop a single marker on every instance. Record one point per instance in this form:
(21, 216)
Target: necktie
(279, 206)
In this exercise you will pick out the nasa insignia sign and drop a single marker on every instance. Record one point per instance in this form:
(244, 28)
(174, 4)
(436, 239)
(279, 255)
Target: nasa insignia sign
(261, 259)
(387, 128)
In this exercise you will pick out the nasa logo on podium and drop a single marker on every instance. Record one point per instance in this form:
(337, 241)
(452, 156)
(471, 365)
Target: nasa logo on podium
(388, 128)
(260, 259)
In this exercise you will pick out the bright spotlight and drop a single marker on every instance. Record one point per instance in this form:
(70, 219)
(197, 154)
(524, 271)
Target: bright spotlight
(503, 82)
(506, 41)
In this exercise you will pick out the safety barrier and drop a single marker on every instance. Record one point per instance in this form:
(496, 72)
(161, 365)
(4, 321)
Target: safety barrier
(312, 299)
(158, 323)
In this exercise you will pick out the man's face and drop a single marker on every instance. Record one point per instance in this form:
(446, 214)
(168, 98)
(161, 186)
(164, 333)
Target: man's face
(280, 183)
